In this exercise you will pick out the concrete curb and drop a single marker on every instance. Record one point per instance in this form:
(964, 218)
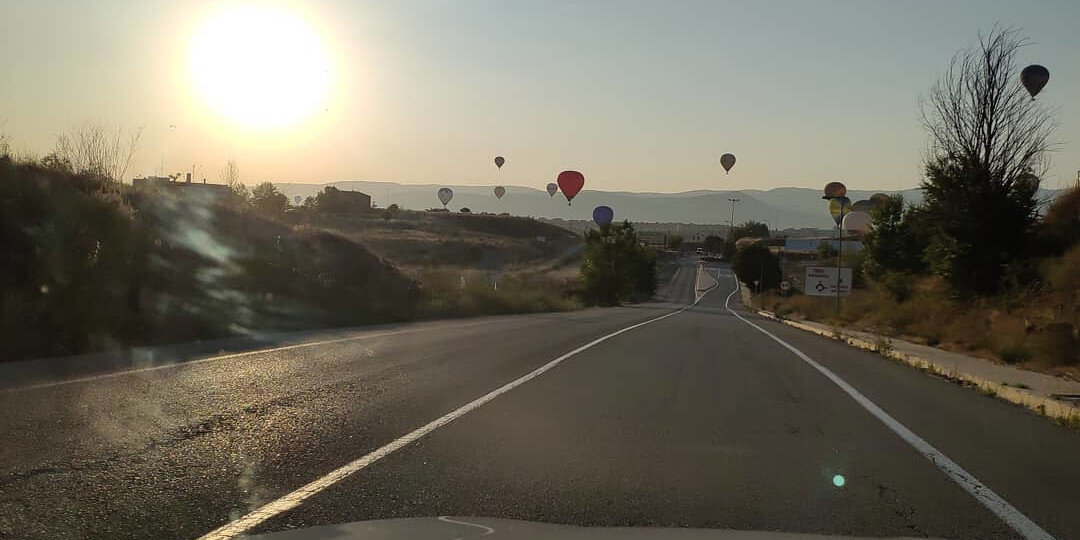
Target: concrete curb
(1043, 405)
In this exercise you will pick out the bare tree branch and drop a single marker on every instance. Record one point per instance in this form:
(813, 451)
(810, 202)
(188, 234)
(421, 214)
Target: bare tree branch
(230, 176)
(979, 113)
(97, 149)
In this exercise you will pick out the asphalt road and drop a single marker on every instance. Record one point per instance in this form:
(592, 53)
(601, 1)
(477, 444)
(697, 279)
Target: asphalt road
(694, 420)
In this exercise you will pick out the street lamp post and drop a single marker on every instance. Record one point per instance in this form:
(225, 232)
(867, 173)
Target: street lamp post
(731, 231)
(839, 257)
(839, 246)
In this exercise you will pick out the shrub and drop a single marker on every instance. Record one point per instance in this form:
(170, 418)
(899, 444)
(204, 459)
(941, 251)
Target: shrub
(616, 268)
(1014, 353)
(755, 262)
(266, 199)
(88, 269)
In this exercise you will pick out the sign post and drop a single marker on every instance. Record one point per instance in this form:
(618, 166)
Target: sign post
(822, 281)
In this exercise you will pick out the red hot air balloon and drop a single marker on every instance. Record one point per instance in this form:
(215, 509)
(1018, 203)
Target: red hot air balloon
(1034, 78)
(570, 182)
(834, 189)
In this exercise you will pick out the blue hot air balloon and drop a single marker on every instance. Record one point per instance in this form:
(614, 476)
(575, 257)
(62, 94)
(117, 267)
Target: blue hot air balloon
(603, 215)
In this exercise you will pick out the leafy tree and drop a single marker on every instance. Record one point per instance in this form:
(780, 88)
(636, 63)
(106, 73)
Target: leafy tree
(989, 144)
(896, 239)
(675, 242)
(749, 229)
(713, 244)
(616, 267)
(465, 210)
(266, 199)
(756, 263)
(825, 251)
(1060, 227)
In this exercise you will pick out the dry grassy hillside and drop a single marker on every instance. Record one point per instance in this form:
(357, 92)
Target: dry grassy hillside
(417, 240)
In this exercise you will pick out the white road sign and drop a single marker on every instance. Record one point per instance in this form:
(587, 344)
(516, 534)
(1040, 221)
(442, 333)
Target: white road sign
(821, 281)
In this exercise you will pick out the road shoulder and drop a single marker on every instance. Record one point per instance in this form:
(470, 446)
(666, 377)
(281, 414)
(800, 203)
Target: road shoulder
(1036, 391)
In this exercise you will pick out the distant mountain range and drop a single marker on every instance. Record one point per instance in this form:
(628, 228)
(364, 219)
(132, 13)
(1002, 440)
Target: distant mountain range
(781, 208)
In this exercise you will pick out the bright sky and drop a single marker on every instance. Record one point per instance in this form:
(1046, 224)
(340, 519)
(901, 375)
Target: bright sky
(638, 95)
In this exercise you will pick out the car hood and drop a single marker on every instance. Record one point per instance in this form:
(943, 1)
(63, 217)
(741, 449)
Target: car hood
(468, 528)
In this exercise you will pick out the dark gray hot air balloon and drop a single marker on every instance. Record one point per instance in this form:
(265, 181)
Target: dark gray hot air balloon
(727, 161)
(499, 160)
(500, 191)
(864, 205)
(552, 189)
(878, 199)
(1034, 78)
(445, 194)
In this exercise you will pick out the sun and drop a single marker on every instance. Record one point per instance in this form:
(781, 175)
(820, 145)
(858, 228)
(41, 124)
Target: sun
(259, 66)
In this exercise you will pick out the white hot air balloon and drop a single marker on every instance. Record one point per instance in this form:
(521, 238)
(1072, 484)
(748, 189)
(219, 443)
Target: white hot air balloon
(857, 222)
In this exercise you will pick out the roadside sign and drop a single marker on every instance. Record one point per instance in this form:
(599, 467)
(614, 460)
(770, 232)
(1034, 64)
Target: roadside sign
(821, 281)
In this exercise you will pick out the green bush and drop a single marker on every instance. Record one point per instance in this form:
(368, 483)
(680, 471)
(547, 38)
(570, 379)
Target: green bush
(1014, 353)
(616, 268)
(755, 262)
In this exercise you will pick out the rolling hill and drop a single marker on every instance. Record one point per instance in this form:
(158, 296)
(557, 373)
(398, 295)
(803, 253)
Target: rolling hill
(782, 208)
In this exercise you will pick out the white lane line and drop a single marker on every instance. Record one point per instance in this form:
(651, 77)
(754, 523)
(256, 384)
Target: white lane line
(992, 501)
(293, 499)
(487, 530)
(219, 358)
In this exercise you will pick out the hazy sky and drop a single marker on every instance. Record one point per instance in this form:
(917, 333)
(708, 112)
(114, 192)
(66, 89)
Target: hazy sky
(638, 95)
